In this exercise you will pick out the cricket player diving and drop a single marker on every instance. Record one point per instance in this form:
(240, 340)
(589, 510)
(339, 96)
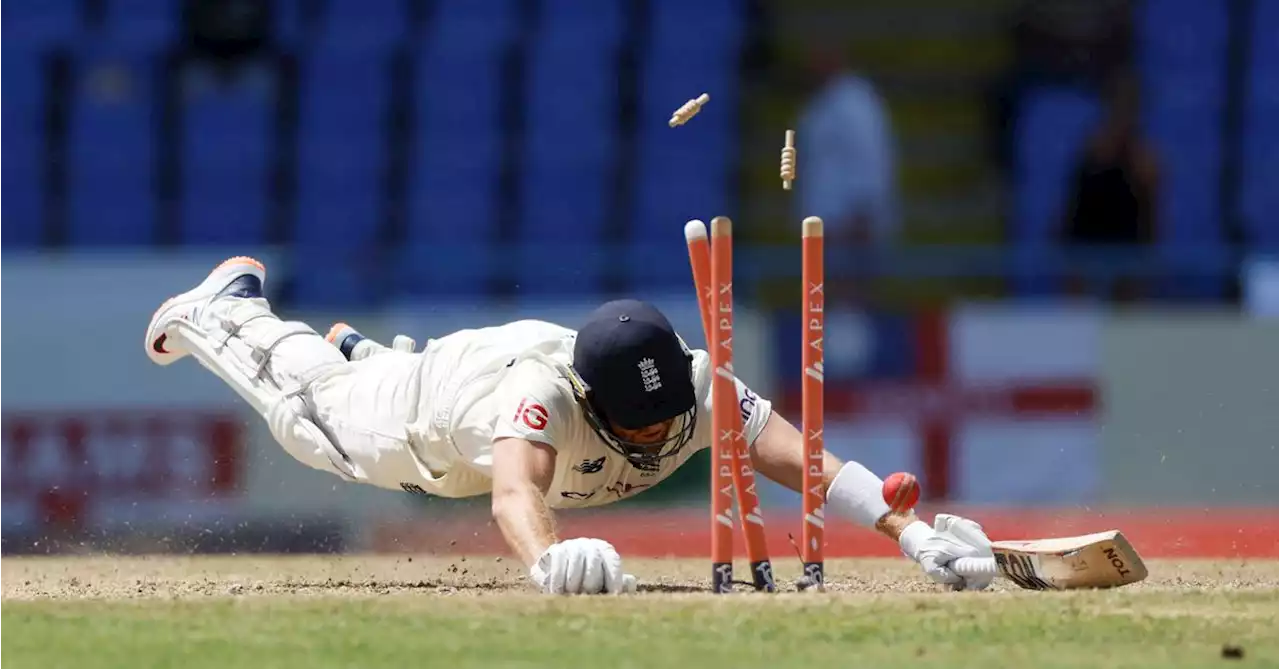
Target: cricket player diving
(538, 416)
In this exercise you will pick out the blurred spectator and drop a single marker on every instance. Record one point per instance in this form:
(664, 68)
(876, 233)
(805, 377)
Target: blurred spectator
(1115, 182)
(1060, 42)
(846, 163)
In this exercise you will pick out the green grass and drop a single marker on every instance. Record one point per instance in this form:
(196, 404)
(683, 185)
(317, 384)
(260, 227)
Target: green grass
(1136, 628)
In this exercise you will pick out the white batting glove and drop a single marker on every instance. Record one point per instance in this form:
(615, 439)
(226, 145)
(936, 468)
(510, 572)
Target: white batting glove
(970, 533)
(934, 551)
(403, 343)
(581, 567)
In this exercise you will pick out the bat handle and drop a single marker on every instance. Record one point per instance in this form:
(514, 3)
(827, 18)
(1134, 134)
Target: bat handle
(975, 566)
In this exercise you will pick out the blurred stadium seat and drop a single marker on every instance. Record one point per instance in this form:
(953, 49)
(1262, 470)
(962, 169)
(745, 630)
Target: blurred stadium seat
(570, 140)
(23, 157)
(369, 26)
(227, 143)
(1260, 177)
(1182, 51)
(39, 24)
(145, 25)
(686, 172)
(457, 155)
(472, 26)
(533, 161)
(1051, 128)
(111, 147)
(341, 150)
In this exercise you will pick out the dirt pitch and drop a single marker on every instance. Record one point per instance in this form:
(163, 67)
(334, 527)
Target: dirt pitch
(169, 577)
(321, 612)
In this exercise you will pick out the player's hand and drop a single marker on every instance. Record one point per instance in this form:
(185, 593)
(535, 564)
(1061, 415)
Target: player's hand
(934, 551)
(970, 533)
(581, 567)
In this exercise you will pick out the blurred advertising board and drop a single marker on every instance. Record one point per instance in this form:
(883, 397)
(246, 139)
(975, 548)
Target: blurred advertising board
(989, 404)
(82, 468)
(1191, 410)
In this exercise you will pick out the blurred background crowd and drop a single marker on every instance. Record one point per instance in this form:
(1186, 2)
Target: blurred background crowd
(395, 143)
(1002, 181)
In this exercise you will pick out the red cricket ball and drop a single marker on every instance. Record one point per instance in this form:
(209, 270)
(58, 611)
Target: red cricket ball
(901, 492)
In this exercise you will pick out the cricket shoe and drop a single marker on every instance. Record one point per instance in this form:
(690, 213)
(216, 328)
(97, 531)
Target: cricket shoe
(345, 338)
(236, 277)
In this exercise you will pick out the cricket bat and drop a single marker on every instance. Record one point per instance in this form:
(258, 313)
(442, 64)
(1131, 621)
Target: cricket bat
(1101, 560)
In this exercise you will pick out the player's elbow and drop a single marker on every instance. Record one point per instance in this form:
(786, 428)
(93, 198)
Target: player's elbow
(509, 498)
(501, 501)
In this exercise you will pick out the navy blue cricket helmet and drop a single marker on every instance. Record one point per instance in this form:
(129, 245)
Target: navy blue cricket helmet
(633, 371)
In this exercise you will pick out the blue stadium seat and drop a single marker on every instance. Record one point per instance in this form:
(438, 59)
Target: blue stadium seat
(1051, 129)
(561, 81)
(572, 25)
(675, 183)
(564, 200)
(373, 26)
(458, 270)
(457, 156)
(23, 148)
(454, 189)
(1174, 33)
(1183, 119)
(341, 149)
(340, 199)
(110, 139)
(1261, 154)
(570, 147)
(660, 265)
(1265, 42)
(227, 141)
(458, 91)
(1260, 198)
(453, 213)
(288, 27)
(1182, 50)
(342, 92)
(39, 23)
(686, 172)
(146, 25)
(330, 277)
(712, 26)
(472, 26)
(564, 203)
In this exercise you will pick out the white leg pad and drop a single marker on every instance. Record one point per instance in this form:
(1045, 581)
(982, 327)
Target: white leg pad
(241, 343)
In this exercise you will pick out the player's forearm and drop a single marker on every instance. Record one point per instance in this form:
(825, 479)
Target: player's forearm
(787, 472)
(778, 454)
(787, 469)
(525, 521)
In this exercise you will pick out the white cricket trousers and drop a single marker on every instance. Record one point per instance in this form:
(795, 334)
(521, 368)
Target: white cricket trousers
(349, 418)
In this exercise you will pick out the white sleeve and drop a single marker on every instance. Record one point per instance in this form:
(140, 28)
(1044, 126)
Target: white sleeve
(754, 408)
(755, 411)
(531, 406)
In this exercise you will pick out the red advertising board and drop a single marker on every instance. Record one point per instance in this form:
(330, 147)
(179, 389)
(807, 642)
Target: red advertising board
(80, 468)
